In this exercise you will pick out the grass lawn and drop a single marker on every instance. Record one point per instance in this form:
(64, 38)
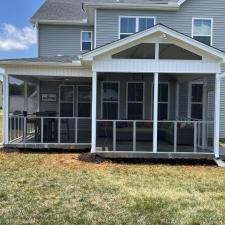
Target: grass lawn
(60, 189)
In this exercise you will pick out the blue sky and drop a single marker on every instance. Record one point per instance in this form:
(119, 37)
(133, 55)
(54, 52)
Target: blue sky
(17, 36)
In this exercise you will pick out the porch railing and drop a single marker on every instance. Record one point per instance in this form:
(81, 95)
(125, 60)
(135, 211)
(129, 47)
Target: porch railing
(50, 130)
(172, 136)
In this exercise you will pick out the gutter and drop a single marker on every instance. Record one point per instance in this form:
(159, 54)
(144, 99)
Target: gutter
(76, 63)
(167, 7)
(60, 22)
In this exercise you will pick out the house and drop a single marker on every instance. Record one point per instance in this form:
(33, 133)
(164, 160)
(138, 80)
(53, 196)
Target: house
(124, 78)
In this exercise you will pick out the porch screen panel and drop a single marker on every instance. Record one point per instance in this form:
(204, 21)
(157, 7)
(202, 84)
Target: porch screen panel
(110, 100)
(67, 101)
(197, 101)
(135, 101)
(84, 101)
(163, 101)
(32, 98)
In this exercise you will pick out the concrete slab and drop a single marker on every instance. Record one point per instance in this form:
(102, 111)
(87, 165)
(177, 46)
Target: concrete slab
(219, 162)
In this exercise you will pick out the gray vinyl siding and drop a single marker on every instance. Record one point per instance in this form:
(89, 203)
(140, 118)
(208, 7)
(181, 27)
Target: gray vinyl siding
(61, 39)
(108, 20)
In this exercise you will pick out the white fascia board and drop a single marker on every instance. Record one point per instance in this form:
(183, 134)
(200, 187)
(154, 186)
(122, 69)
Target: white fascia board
(169, 6)
(158, 28)
(4, 64)
(180, 2)
(60, 22)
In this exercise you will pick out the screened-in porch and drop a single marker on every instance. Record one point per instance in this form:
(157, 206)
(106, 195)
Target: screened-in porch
(50, 111)
(125, 113)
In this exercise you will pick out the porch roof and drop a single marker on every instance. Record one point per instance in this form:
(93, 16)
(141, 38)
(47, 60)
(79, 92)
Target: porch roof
(159, 28)
(71, 60)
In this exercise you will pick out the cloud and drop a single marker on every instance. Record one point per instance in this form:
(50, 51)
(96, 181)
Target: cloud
(12, 38)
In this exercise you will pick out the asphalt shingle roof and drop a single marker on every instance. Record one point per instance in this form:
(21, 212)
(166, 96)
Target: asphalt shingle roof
(69, 10)
(53, 59)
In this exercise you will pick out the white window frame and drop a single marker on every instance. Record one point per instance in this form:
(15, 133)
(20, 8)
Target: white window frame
(62, 85)
(77, 99)
(81, 40)
(137, 23)
(211, 33)
(136, 102)
(118, 101)
(168, 103)
(190, 103)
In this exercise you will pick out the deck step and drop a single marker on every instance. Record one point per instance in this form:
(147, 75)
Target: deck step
(219, 163)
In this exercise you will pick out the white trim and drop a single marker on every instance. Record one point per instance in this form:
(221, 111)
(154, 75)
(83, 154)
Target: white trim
(137, 23)
(69, 102)
(81, 40)
(143, 100)
(216, 144)
(211, 33)
(118, 101)
(95, 29)
(60, 22)
(158, 28)
(155, 114)
(94, 111)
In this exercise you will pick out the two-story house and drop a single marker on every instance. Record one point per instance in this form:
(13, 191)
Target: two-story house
(124, 78)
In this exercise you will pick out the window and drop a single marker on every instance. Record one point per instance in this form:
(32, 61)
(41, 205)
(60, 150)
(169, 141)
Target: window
(83, 101)
(135, 100)
(202, 30)
(196, 100)
(86, 40)
(110, 100)
(163, 101)
(66, 101)
(132, 24)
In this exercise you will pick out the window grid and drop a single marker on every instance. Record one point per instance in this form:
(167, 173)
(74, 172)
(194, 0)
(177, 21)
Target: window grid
(135, 102)
(110, 101)
(86, 41)
(203, 35)
(137, 23)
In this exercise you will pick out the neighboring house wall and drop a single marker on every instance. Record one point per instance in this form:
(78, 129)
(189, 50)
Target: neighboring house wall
(108, 20)
(61, 39)
(1, 94)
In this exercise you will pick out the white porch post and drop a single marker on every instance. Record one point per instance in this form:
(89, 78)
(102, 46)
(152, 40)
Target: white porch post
(94, 111)
(155, 113)
(217, 117)
(6, 109)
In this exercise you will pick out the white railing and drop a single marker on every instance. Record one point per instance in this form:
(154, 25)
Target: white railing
(137, 136)
(50, 130)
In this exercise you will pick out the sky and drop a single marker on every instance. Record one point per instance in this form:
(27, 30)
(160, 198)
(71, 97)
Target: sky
(18, 38)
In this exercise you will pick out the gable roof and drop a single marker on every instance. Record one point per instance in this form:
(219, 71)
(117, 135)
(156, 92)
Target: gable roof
(157, 28)
(72, 11)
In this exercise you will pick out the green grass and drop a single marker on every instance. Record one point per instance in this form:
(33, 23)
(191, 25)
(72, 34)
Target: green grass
(58, 189)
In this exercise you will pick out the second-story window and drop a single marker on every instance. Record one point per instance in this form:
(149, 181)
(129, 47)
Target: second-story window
(202, 30)
(86, 40)
(132, 24)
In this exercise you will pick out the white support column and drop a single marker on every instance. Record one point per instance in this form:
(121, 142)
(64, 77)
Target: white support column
(155, 113)
(6, 108)
(94, 111)
(204, 114)
(217, 117)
